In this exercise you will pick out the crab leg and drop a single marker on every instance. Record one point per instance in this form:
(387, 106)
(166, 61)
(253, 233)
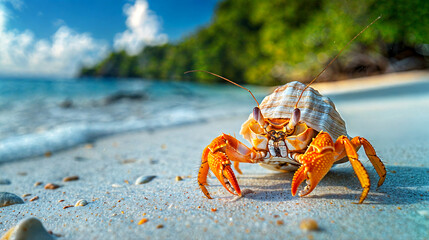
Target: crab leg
(238, 152)
(203, 172)
(376, 162)
(372, 156)
(358, 167)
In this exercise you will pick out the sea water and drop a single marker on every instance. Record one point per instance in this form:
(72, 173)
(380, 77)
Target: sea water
(43, 115)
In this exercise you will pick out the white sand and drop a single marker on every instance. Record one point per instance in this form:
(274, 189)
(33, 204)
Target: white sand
(372, 82)
(397, 127)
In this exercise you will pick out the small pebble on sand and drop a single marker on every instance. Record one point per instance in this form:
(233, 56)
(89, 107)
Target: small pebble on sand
(70, 178)
(30, 228)
(179, 178)
(142, 221)
(159, 226)
(4, 181)
(37, 184)
(51, 186)
(81, 203)
(309, 225)
(7, 199)
(144, 179)
(48, 154)
(26, 195)
(34, 198)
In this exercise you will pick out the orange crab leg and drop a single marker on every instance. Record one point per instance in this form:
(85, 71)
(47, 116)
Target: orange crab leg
(376, 162)
(203, 172)
(372, 156)
(358, 167)
(237, 167)
(238, 152)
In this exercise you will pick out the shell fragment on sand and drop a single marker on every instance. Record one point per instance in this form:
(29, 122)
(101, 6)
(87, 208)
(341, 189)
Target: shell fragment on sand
(309, 225)
(70, 178)
(144, 179)
(81, 203)
(30, 228)
(7, 199)
(51, 186)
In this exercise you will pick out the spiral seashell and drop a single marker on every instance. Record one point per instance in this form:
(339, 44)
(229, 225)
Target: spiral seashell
(317, 111)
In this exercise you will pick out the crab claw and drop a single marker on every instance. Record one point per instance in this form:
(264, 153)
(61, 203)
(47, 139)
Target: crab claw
(316, 163)
(312, 173)
(298, 178)
(226, 176)
(221, 167)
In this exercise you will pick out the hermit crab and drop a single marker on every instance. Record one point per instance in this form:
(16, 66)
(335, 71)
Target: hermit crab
(294, 128)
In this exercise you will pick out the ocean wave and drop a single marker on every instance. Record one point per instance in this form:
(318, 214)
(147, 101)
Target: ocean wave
(39, 116)
(72, 134)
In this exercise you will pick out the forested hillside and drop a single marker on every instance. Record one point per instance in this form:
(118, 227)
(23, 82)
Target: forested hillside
(272, 42)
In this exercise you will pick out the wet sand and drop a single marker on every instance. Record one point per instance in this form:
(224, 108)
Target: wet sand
(108, 168)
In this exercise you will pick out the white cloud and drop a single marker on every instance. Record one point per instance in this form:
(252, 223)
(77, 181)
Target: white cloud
(61, 55)
(143, 28)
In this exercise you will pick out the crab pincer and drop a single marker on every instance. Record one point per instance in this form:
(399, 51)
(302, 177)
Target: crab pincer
(316, 163)
(215, 159)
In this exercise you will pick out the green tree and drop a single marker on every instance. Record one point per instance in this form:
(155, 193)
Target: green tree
(272, 42)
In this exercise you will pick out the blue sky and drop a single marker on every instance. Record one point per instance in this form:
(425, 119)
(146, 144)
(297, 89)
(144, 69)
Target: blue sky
(54, 38)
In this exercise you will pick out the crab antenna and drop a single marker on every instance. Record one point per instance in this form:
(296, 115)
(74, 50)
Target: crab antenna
(236, 84)
(363, 30)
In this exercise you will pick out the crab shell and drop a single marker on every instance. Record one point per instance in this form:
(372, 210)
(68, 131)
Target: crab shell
(317, 112)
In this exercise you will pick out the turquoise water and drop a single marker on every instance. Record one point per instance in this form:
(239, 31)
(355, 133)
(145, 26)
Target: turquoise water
(39, 115)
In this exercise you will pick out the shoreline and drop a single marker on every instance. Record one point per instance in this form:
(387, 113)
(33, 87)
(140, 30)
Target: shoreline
(372, 82)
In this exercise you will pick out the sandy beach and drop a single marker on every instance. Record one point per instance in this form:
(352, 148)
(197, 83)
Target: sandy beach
(175, 208)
